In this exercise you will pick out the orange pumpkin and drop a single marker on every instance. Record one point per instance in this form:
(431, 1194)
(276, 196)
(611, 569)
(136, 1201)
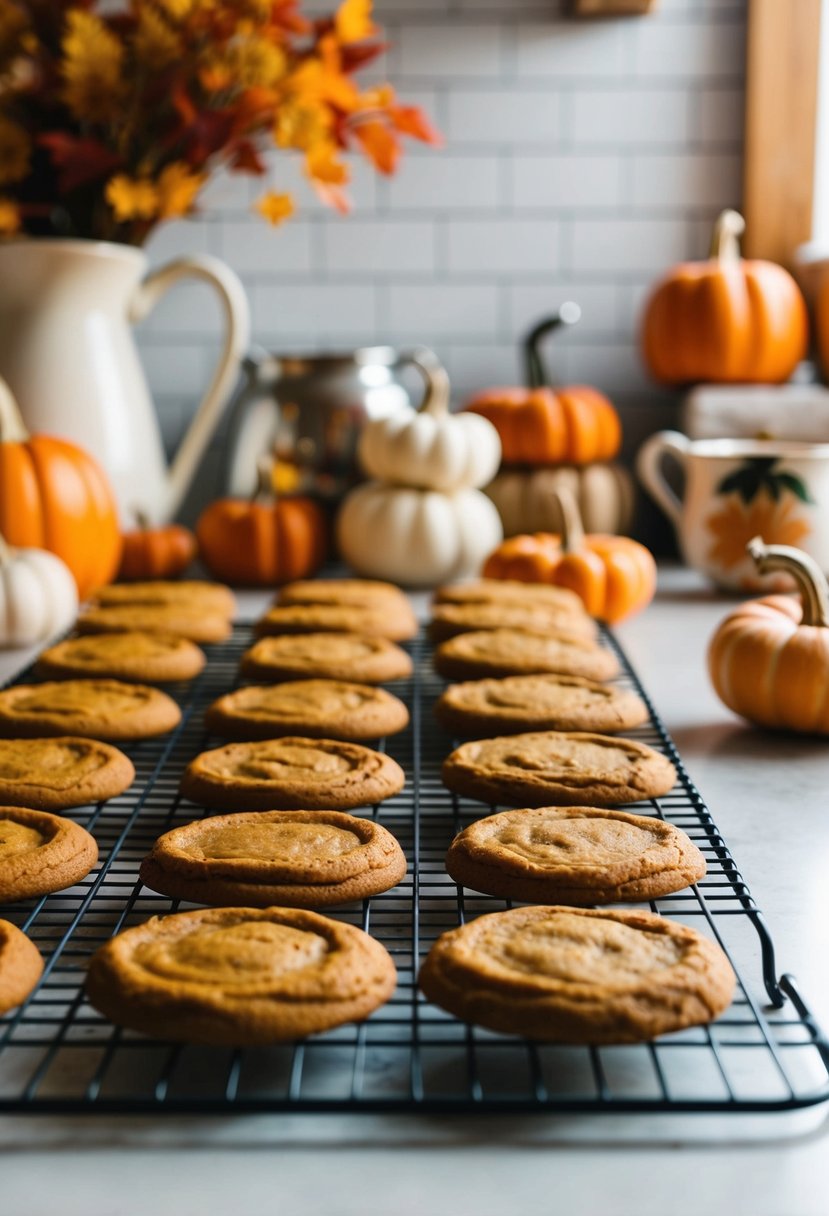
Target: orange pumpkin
(54, 496)
(540, 425)
(150, 553)
(725, 320)
(263, 541)
(614, 575)
(822, 324)
(769, 659)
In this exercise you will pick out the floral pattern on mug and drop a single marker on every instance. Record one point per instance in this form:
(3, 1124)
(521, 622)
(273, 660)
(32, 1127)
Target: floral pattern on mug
(760, 500)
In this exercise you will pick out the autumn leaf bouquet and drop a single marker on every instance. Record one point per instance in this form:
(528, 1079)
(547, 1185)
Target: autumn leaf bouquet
(112, 121)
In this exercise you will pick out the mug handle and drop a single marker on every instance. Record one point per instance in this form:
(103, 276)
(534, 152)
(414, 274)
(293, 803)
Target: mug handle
(236, 339)
(649, 469)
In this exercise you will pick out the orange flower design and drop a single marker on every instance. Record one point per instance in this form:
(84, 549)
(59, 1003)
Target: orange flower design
(736, 522)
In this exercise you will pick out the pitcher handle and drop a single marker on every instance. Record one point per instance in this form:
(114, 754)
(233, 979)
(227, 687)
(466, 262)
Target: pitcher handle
(435, 378)
(236, 339)
(649, 468)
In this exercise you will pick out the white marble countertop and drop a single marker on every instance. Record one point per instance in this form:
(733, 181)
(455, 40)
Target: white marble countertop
(769, 795)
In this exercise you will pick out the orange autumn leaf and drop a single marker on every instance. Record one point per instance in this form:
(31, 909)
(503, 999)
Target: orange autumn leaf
(410, 120)
(275, 208)
(323, 165)
(352, 21)
(379, 144)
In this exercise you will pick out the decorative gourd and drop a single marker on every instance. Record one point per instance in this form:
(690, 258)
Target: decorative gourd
(261, 542)
(614, 576)
(769, 659)
(544, 425)
(725, 320)
(162, 552)
(416, 537)
(604, 492)
(430, 448)
(54, 496)
(38, 596)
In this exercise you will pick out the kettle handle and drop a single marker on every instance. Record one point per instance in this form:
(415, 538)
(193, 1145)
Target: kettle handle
(237, 335)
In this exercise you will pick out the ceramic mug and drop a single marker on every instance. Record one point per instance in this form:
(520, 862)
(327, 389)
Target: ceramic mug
(736, 489)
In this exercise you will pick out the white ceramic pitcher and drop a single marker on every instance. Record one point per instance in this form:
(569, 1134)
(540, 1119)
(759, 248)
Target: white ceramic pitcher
(68, 354)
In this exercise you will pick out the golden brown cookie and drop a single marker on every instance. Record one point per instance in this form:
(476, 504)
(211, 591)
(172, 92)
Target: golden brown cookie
(396, 622)
(331, 656)
(55, 774)
(20, 966)
(143, 658)
(517, 652)
(327, 709)
(93, 709)
(558, 768)
(576, 975)
(574, 855)
(40, 853)
(299, 859)
(448, 620)
(291, 774)
(182, 620)
(192, 593)
(359, 592)
(239, 977)
(479, 709)
(508, 591)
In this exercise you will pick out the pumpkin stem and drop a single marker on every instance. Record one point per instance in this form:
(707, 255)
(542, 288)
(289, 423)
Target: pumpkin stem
(142, 519)
(12, 429)
(264, 479)
(572, 528)
(535, 369)
(437, 396)
(5, 551)
(810, 579)
(725, 240)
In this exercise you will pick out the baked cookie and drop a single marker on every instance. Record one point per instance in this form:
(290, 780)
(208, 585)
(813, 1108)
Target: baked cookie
(479, 709)
(55, 774)
(448, 620)
(181, 620)
(558, 768)
(143, 658)
(396, 622)
(40, 853)
(359, 592)
(509, 591)
(577, 975)
(574, 855)
(327, 709)
(331, 656)
(298, 859)
(291, 774)
(515, 652)
(94, 709)
(192, 593)
(20, 966)
(239, 977)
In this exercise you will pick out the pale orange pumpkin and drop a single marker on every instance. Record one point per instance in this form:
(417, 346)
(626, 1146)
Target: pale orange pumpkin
(541, 425)
(614, 575)
(55, 496)
(769, 659)
(725, 320)
(156, 553)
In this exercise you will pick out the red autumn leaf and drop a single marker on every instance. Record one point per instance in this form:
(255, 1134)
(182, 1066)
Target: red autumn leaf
(78, 161)
(379, 144)
(355, 57)
(410, 120)
(246, 159)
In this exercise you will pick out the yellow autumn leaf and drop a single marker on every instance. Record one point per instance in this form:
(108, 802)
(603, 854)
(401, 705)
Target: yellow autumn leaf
(275, 208)
(9, 217)
(15, 152)
(352, 21)
(177, 187)
(93, 58)
(131, 198)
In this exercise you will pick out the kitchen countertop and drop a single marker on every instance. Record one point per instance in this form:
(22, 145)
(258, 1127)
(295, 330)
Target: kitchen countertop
(768, 796)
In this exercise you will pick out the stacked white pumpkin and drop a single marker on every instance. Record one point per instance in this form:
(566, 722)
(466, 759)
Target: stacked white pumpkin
(38, 596)
(423, 520)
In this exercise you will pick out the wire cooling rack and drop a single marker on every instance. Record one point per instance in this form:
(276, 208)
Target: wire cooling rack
(57, 1054)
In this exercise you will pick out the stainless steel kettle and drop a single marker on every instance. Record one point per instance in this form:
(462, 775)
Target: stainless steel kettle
(309, 410)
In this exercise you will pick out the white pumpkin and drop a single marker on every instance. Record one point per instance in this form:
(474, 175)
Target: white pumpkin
(526, 503)
(431, 448)
(416, 537)
(38, 596)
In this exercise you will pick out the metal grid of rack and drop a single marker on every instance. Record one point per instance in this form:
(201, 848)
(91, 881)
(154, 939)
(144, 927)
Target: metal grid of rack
(57, 1054)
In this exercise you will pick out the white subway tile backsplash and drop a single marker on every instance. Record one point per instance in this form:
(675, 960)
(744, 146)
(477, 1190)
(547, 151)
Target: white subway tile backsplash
(457, 50)
(528, 303)
(509, 116)
(720, 116)
(621, 245)
(630, 117)
(442, 310)
(176, 368)
(192, 310)
(688, 181)
(680, 50)
(570, 180)
(261, 248)
(443, 182)
(380, 246)
(317, 313)
(611, 367)
(177, 238)
(507, 247)
(562, 50)
(478, 366)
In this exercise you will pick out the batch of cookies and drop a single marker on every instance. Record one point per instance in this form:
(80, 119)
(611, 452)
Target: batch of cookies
(258, 963)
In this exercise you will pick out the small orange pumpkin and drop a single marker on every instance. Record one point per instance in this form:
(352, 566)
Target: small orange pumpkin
(264, 541)
(55, 496)
(540, 425)
(614, 575)
(150, 553)
(822, 323)
(769, 658)
(725, 320)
